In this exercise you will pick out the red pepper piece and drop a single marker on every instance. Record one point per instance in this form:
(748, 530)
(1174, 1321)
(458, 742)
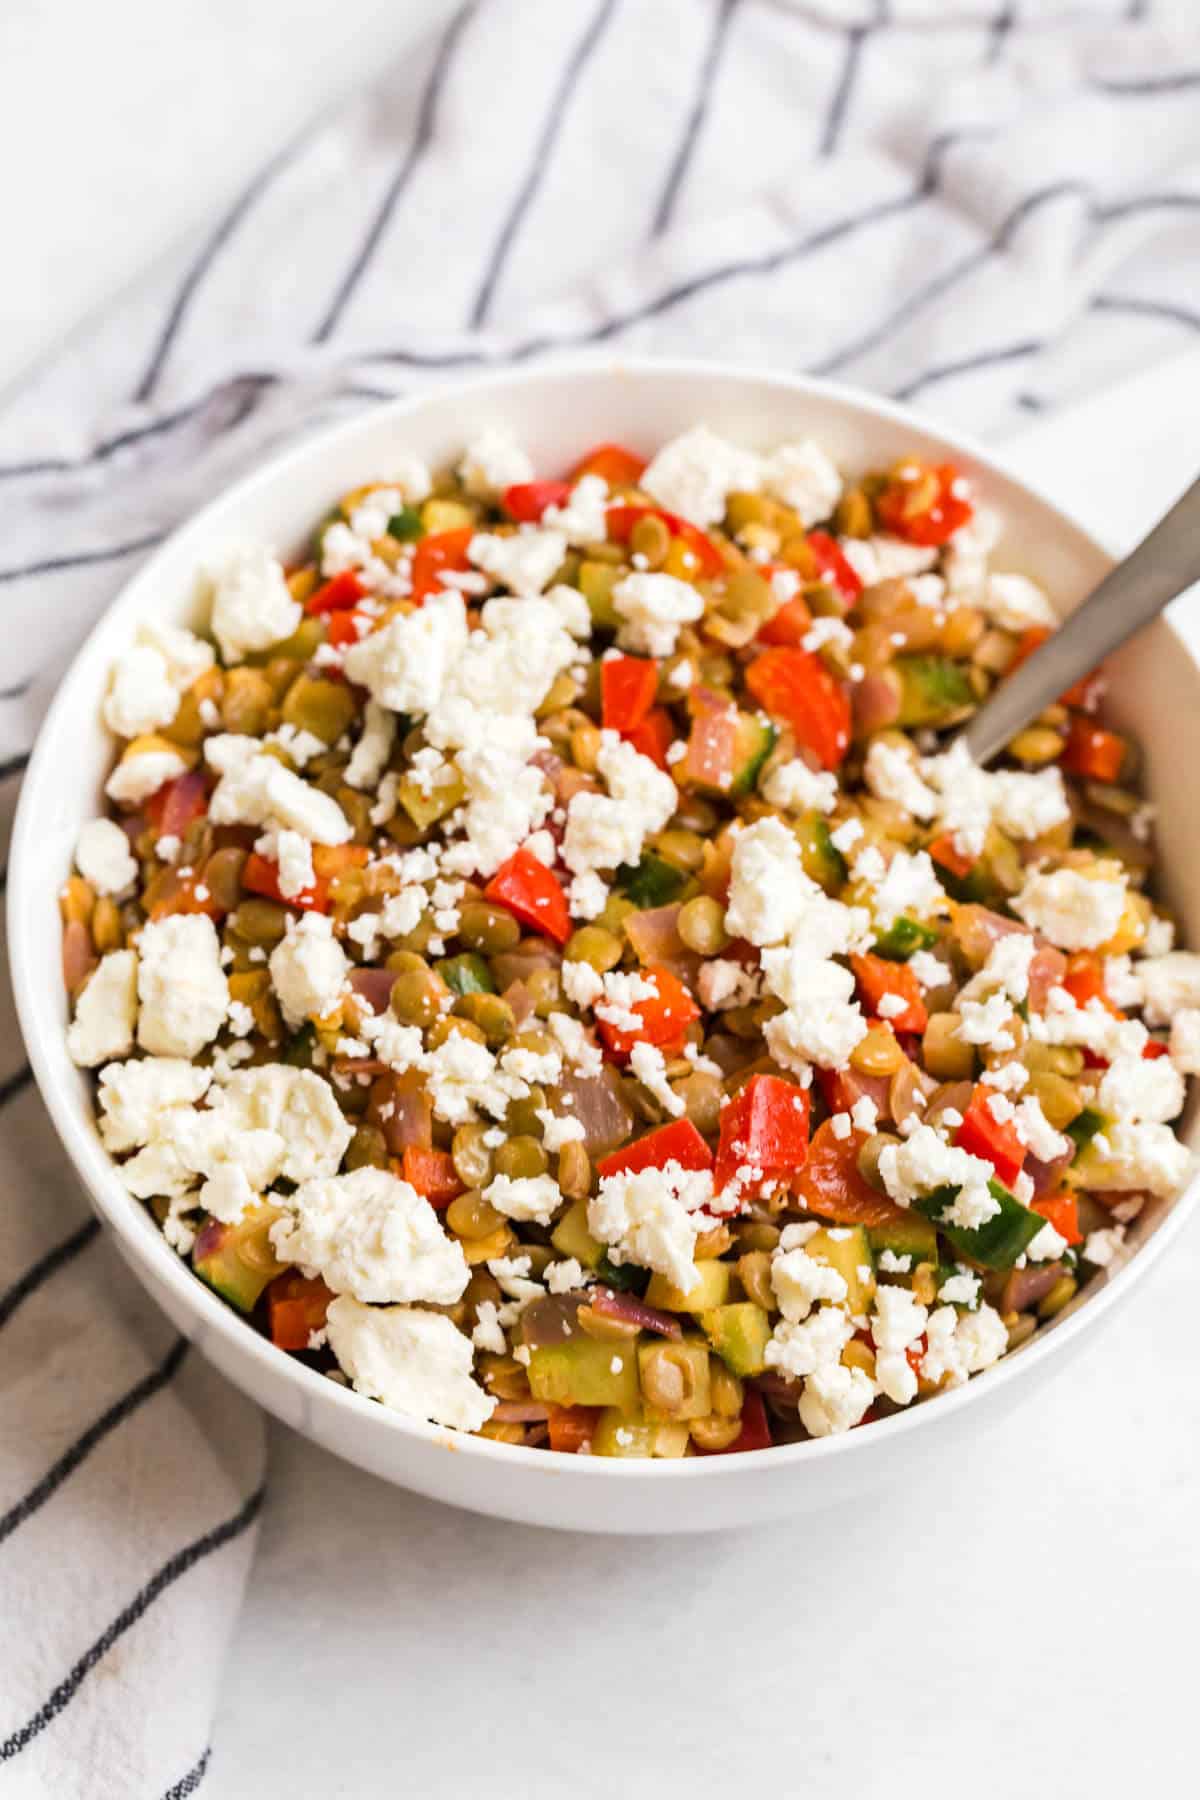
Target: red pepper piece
(1092, 752)
(616, 465)
(296, 1307)
(654, 736)
(533, 893)
(665, 1015)
(337, 595)
(571, 1427)
(261, 875)
(795, 686)
(943, 852)
(982, 1134)
(1062, 1210)
(790, 625)
(526, 501)
(921, 504)
(343, 629)
(831, 1185)
(628, 685)
(445, 550)
(432, 1174)
(679, 1142)
(178, 803)
(764, 1127)
(878, 979)
(834, 565)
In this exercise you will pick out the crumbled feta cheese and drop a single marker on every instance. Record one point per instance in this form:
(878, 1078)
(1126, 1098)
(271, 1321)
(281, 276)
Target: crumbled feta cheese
(1047, 1246)
(799, 1349)
(1073, 910)
(1170, 983)
(371, 1235)
(583, 520)
(1015, 603)
(133, 1097)
(891, 773)
(587, 896)
(488, 1333)
(804, 478)
(653, 1217)
(1006, 970)
(961, 1344)
(105, 1012)
(182, 986)
(297, 1106)
(794, 787)
(925, 1162)
(308, 969)
(1133, 1156)
(908, 885)
(525, 1197)
(898, 1321)
(835, 1399)
(1102, 1247)
(493, 462)
(416, 1362)
(256, 789)
(103, 857)
(405, 665)
(648, 1066)
(186, 656)
(800, 1281)
(522, 562)
(292, 855)
(1185, 1040)
(1135, 1087)
(965, 559)
(607, 830)
(138, 776)
(652, 607)
(885, 558)
(252, 605)
(960, 1289)
(374, 747)
(581, 983)
(723, 983)
(695, 474)
(822, 1023)
(557, 1132)
(971, 799)
(141, 696)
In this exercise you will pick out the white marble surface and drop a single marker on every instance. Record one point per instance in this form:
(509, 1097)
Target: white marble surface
(1026, 1617)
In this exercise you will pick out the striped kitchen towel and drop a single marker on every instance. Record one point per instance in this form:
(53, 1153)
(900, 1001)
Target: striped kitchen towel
(990, 208)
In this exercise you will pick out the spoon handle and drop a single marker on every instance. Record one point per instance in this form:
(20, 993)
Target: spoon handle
(1135, 592)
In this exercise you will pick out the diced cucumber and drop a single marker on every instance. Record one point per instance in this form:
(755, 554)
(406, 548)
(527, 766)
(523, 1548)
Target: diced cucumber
(405, 526)
(571, 1237)
(651, 882)
(933, 690)
(902, 937)
(739, 1333)
(238, 1260)
(823, 862)
(596, 583)
(438, 514)
(1085, 1127)
(424, 809)
(623, 1434)
(627, 1277)
(1000, 1240)
(691, 1358)
(845, 1248)
(586, 1371)
(910, 1236)
(711, 1289)
(753, 741)
(466, 974)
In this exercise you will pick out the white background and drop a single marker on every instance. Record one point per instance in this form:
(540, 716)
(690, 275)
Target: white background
(1023, 1618)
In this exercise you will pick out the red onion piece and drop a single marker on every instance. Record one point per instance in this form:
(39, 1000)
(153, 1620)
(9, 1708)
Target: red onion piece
(521, 1001)
(1045, 972)
(628, 1307)
(599, 1104)
(400, 1107)
(521, 1412)
(1025, 1287)
(1046, 1175)
(518, 965)
(876, 702)
(374, 986)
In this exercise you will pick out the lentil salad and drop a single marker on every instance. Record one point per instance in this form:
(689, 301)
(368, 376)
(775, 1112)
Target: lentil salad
(546, 968)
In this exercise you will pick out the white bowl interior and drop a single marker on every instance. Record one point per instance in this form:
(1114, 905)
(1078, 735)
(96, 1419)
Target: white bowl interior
(556, 413)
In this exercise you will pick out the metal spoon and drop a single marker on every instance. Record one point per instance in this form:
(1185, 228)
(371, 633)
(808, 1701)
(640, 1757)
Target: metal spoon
(1163, 565)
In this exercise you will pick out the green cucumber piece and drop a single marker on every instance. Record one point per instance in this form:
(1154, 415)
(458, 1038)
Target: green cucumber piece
(238, 1260)
(571, 1237)
(910, 1236)
(586, 1371)
(651, 882)
(739, 1333)
(711, 1289)
(405, 526)
(466, 974)
(1083, 1129)
(823, 863)
(753, 741)
(846, 1249)
(904, 936)
(933, 689)
(996, 1244)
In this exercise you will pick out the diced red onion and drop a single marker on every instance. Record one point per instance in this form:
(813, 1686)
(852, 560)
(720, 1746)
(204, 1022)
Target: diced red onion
(520, 1412)
(374, 986)
(634, 1311)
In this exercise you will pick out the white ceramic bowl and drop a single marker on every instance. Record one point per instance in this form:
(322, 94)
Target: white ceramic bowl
(556, 413)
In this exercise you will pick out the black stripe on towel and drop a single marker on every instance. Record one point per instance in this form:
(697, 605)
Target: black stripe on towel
(177, 1565)
(697, 113)
(47, 1266)
(81, 559)
(188, 1783)
(81, 1449)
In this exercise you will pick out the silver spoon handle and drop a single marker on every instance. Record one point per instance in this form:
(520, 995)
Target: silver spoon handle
(1162, 566)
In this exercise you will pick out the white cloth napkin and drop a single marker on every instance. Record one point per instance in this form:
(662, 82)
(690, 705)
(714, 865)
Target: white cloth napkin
(990, 209)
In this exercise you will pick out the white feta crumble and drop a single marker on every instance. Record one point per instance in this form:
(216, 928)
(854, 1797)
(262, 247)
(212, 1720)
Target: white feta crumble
(1075, 911)
(694, 475)
(802, 1348)
(371, 1235)
(1133, 1156)
(256, 789)
(653, 1217)
(1141, 1088)
(103, 857)
(823, 1022)
(804, 478)
(1015, 603)
(138, 776)
(566, 1276)
(493, 461)
(1185, 1040)
(252, 606)
(898, 1321)
(308, 969)
(885, 558)
(606, 830)
(133, 1097)
(800, 1281)
(141, 695)
(1047, 1246)
(525, 1197)
(652, 607)
(971, 799)
(522, 562)
(105, 1012)
(416, 1362)
(961, 1344)
(292, 855)
(557, 1132)
(648, 1067)
(581, 983)
(835, 1399)
(794, 787)
(182, 986)
(1170, 984)
(370, 755)
(1102, 1247)
(405, 665)
(723, 983)
(297, 1106)
(891, 774)
(583, 519)
(925, 1162)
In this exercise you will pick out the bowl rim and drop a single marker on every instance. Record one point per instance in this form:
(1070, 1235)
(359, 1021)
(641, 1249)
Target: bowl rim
(207, 1312)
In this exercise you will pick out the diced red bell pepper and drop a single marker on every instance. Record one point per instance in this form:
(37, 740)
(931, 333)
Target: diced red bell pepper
(343, 629)
(622, 519)
(336, 595)
(982, 1134)
(795, 686)
(835, 565)
(831, 1185)
(1084, 981)
(679, 1142)
(178, 803)
(296, 1307)
(790, 625)
(261, 875)
(1153, 1048)
(526, 501)
(628, 685)
(571, 1427)
(1091, 752)
(665, 1015)
(878, 979)
(432, 1174)
(533, 893)
(943, 852)
(764, 1127)
(920, 504)
(616, 465)
(654, 736)
(755, 1433)
(443, 551)
(1062, 1211)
